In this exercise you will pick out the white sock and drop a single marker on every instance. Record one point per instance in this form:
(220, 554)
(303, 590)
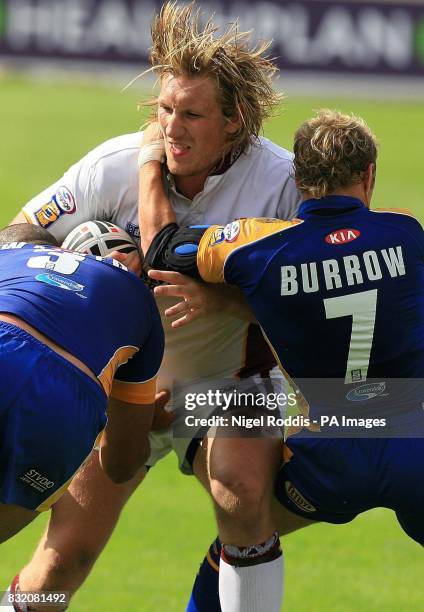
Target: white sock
(255, 588)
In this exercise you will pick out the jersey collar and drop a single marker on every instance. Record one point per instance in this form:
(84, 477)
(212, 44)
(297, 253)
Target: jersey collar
(335, 204)
(227, 162)
(217, 171)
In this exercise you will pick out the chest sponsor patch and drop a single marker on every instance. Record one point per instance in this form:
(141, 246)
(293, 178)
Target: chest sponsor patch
(342, 236)
(297, 498)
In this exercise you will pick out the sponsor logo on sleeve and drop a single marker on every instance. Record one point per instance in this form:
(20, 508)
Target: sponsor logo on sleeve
(62, 202)
(47, 214)
(65, 200)
(217, 237)
(231, 231)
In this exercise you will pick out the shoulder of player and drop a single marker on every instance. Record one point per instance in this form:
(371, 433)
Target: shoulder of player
(128, 278)
(246, 232)
(114, 149)
(268, 149)
(400, 222)
(399, 216)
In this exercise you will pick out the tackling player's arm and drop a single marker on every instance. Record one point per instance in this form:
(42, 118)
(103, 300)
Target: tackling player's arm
(124, 447)
(206, 253)
(154, 208)
(155, 212)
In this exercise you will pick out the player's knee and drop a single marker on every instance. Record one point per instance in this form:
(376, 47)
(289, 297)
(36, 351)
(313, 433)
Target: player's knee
(239, 494)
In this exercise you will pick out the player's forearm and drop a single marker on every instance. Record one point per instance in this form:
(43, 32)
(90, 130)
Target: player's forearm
(154, 208)
(124, 446)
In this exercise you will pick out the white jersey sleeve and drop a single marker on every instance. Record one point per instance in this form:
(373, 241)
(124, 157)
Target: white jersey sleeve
(91, 189)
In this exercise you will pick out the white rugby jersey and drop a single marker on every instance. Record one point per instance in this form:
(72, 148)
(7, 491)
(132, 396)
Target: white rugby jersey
(104, 185)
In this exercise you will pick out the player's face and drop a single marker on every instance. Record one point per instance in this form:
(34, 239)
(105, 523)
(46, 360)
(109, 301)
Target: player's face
(194, 127)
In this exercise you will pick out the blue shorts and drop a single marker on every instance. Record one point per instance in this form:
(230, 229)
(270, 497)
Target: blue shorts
(50, 416)
(333, 480)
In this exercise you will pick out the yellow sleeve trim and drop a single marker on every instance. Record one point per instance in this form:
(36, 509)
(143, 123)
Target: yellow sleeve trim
(218, 242)
(135, 393)
(121, 356)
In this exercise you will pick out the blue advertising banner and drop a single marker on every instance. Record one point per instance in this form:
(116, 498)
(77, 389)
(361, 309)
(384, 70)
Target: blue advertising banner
(380, 37)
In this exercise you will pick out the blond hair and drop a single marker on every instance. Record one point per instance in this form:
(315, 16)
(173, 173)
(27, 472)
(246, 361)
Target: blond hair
(332, 151)
(243, 75)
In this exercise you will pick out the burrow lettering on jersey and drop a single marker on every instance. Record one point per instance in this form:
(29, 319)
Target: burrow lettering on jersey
(347, 271)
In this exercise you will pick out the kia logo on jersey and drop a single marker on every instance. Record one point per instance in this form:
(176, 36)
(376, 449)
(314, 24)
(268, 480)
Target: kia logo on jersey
(342, 236)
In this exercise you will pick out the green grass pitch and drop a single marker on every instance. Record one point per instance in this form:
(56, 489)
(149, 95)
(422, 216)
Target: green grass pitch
(165, 529)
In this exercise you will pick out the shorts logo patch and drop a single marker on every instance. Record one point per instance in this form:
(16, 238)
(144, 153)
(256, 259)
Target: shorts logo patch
(231, 231)
(217, 237)
(65, 200)
(298, 499)
(59, 281)
(366, 392)
(342, 236)
(37, 481)
(47, 214)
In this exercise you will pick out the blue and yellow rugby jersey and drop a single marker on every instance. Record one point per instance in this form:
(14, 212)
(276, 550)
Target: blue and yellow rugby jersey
(339, 292)
(92, 307)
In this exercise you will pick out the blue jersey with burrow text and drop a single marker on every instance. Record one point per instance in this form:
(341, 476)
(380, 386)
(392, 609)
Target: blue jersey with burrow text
(339, 293)
(95, 309)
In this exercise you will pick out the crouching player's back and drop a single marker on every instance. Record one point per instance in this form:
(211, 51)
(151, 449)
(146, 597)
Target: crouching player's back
(74, 330)
(339, 293)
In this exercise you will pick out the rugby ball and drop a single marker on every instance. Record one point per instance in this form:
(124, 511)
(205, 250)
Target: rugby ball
(99, 238)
